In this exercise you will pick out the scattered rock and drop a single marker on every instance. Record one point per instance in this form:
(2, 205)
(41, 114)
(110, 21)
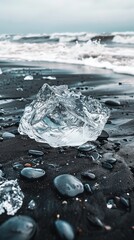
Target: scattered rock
(32, 173)
(112, 103)
(35, 153)
(18, 228)
(64, 230)
(68, 185)
(88, 174)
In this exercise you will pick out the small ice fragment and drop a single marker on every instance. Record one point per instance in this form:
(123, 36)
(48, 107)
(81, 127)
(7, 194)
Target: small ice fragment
(0, 71)
(28, 77)
(49, 77)
(11, 197)
(61, 117)
(8, 135)
(32, 205)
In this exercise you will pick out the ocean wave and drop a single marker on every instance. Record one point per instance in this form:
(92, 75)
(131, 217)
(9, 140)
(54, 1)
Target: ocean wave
(124, 39)
(89, 49)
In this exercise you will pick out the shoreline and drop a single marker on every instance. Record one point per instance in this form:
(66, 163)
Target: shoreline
(109, 184)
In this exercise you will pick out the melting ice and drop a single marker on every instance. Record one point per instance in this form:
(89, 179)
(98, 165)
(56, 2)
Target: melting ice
(11, 197)
(61, 117)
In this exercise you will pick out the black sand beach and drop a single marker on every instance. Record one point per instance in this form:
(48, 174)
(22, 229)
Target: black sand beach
(116, 183)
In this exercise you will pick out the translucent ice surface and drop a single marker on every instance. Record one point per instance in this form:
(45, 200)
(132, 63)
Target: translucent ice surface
(61, 117)
(11, 197)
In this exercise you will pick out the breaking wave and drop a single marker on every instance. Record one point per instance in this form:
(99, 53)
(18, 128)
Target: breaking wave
(110, 51)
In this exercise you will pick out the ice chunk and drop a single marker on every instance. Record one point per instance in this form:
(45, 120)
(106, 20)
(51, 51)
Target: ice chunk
(61, 117)
(28, 77)
(0, 71)
(49, 77)
(11, 197)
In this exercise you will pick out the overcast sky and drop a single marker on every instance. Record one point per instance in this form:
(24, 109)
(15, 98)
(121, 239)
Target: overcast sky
(48, 16)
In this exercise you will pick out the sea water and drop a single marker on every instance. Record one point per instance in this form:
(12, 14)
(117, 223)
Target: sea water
(114, 51)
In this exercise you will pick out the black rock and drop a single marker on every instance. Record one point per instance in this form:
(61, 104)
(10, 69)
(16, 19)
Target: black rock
(107, 165)
(88, 188)
(18, 228)
(68, 185)
(112, 103)
(36, 153)
(32, 173)
(88, 174)
(64, 230)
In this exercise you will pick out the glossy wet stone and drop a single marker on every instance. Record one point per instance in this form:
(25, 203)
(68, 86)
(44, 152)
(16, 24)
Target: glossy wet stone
(32, 173)
(88, 174)
(88, 188)
(111, 160)
(68, 185)
(17, 166)
(95, 221)
(125, 202)
(7, 135)
(107, 165)
(35, 153)
(86, 147)
(64, 230)
(112, 102)
(18, 228)
(103, 136)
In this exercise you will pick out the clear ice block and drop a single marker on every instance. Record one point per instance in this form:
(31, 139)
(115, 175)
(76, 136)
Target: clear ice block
(61, 117)
(11, 197)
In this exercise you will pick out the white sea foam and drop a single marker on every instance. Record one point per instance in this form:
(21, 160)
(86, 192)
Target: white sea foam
(124, 39)
(72, 48)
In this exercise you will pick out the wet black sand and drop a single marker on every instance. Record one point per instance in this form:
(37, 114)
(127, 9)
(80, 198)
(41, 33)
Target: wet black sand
(109, 184)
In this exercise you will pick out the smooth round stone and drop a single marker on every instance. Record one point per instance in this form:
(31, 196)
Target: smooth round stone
(35, 152)
(89, 174)
(18, 228)
(17, 166)
(112, 103)
(111, 160)
(104, 135)
(107, 165)
(7, 135)
(32, 173)
(64, 229)
(88, 188)
(68, 185)
(86, 147)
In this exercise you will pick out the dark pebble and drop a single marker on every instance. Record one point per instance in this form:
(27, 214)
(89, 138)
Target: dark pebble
(112, 103)
(94, 156)
(125, 202)
(88, 188)
(107, 165)
(86, 147)
(36, 153)
(32, 173)
(95, 221)
(68, 185)
(111, 160)
(18, 228)
(17, 166)
(64, 230)
(88, 174)
(104, 136)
